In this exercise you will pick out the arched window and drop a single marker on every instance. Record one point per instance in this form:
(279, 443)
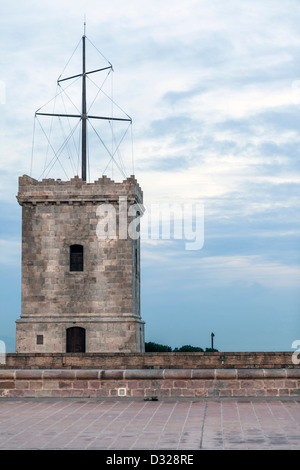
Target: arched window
(76, 258)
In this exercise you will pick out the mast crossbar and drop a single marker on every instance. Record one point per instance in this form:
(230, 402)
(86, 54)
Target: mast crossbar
(87, 117)
(86, 73)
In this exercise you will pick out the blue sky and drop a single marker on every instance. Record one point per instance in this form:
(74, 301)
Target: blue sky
(213, 88)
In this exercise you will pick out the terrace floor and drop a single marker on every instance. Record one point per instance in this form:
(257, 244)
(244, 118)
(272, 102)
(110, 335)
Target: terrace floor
(126, 424)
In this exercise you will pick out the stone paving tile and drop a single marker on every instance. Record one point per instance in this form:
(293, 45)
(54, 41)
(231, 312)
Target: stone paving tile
(137, 425)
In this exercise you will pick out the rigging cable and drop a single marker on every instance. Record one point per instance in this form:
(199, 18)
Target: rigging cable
(32, 146)
(56, 154)
(98, 51)
(62, 91)
(67, 146)
(99, 88)
(73, 140)
(107, 96)
(113, 103)
(69, 98)
(112, 156)
(88, 159)
(118, 146)
(132, 151)
(70, 59)
(78, 159)
(51, 125)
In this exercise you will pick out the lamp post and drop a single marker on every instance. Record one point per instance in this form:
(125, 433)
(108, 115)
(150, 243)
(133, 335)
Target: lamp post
(212, 341)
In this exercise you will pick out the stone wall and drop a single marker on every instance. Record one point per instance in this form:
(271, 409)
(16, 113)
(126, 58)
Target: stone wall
(149, 384)
(202, 360)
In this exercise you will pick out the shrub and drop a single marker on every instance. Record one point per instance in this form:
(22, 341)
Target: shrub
(188, 348)
(155, 347)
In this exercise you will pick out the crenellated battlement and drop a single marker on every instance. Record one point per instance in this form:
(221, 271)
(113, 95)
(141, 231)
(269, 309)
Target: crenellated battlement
(102, 190)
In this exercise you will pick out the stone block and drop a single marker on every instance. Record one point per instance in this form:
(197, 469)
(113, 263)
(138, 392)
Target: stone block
(7, 385)
(275, 373)
(22, 384)
(203, 374)
(227, 374)
(137, 392)
(184, 374)
(80, 384)
(200, 392)
(252, 384)
(250, 374)
(144, 374)
(112, 374)
(87, 374)
(29, 374)
(293, 373)
(59, 374)
(226, 393)
(35, 384)
(180, 384)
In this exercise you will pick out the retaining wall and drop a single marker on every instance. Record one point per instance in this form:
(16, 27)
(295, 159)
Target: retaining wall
(179, 360)
(148, 384)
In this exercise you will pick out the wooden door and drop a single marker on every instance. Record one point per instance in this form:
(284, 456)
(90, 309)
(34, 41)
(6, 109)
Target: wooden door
(76, 340)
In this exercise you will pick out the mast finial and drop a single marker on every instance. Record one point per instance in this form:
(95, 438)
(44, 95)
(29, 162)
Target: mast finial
(84, 24)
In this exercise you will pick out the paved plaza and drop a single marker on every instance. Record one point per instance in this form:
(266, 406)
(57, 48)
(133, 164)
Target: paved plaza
(152, 425)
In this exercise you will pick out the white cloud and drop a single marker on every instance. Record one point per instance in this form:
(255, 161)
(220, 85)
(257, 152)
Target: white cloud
(228, 103)
(219, 271)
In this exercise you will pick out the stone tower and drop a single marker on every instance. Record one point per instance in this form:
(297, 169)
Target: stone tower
(80, 291)
(80, 283)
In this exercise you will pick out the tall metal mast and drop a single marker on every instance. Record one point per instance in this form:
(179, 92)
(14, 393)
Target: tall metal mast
(84, 116)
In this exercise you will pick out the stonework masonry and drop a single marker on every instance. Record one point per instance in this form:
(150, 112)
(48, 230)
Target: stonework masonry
(150, 384)
(103, 299)
(174, 360)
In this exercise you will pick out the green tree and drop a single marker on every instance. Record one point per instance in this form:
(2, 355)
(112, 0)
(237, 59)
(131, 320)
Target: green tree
(155, 347)
(188, 348)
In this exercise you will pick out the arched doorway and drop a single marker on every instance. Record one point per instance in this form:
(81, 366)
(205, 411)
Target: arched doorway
(76, 340)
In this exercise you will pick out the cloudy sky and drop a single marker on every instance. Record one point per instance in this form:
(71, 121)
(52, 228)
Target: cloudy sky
(213, 88)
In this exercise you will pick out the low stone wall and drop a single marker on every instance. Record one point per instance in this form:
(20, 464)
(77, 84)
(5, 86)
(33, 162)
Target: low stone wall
(148, 384)
(179, 360)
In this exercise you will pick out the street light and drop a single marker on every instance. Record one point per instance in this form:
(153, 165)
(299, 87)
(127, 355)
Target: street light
(212, 341)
